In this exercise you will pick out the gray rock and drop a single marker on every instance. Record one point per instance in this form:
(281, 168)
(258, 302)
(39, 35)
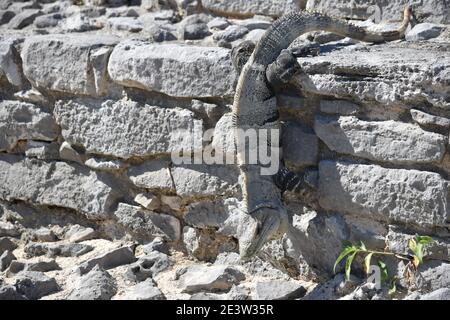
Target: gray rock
(183, 71)
(66, 152)
(430, 121)
(51, 249)
(251, 7)
(74, 64)
(98, 284)
(5, 259)
(160, 33)
(10, 67)
(431, 10)
(217, 278)
(35, 285)
(434, 275)
(79, 22)
(342, 107)
(406, 196)
(44, 235)
(424, 31)
(8, 292)
(231, 33)
(103, 164)
(145, 225)
(194, 27)
(205, 180)
(109, 260)
(255, 35)
(400, 73)
(125, 24)
(158, 244)
(333, 288)
(146, 290)
(77, 233)
(218, 23)
(373, 140)
(39, 266)
(148, 201)
(47, 184)
(7, 229)
(110, 135)
(24, 18)
(22, 121)
(48, 20)
(439, 295)
(279, 290)
(317, 239)
(6, 16)
(42, 150)
(153, 174)
(6, 244)
(148, 266)
(300, 145)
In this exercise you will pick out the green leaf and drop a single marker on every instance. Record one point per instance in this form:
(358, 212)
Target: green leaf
(384, 270)
(347, 250)
(348, 265)
(424, 240)
(367, 260)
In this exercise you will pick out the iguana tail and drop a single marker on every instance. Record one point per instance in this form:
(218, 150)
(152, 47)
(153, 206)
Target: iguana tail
(291, 26)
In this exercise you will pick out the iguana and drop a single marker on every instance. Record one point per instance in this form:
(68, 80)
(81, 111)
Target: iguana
(269, 66)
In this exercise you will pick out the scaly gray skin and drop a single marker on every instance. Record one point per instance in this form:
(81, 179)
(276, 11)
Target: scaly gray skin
(255, 107)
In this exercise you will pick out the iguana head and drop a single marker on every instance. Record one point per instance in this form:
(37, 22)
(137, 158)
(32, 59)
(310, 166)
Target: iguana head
(263, 225)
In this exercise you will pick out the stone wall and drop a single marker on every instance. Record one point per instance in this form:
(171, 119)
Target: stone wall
(95, 98)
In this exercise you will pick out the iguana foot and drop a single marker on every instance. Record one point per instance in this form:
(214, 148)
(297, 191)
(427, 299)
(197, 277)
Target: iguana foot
(283, 69)
(264, 224)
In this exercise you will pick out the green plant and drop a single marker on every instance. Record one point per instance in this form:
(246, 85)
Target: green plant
(415, 245)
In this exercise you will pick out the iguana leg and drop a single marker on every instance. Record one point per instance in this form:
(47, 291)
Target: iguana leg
(283, 69)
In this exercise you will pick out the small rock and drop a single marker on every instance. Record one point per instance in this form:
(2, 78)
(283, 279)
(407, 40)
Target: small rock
(129, 24)
(255, 23)
(10, 293)
(6, 244)
(424, 31)
(428, 120)
(161, 34)
(146, 290)
(6, 16)
(44, 235)
(57, 249)
(35, 285)
(40, 266)
(7, 229)
(218, 23)
(78, 23)
(77, 233)
(105, 165)
(98, 284)
(148, 266)
(216, 278)
(109, 260)
(279, 290)
(23, 19)
(148, 201)
(158, 244)
(194, 27)
(5, 260)
(231, 33)
(42, 150)
(174, 202)
(439, 294)
(48, 20)
(255, 35)
(66, 152)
